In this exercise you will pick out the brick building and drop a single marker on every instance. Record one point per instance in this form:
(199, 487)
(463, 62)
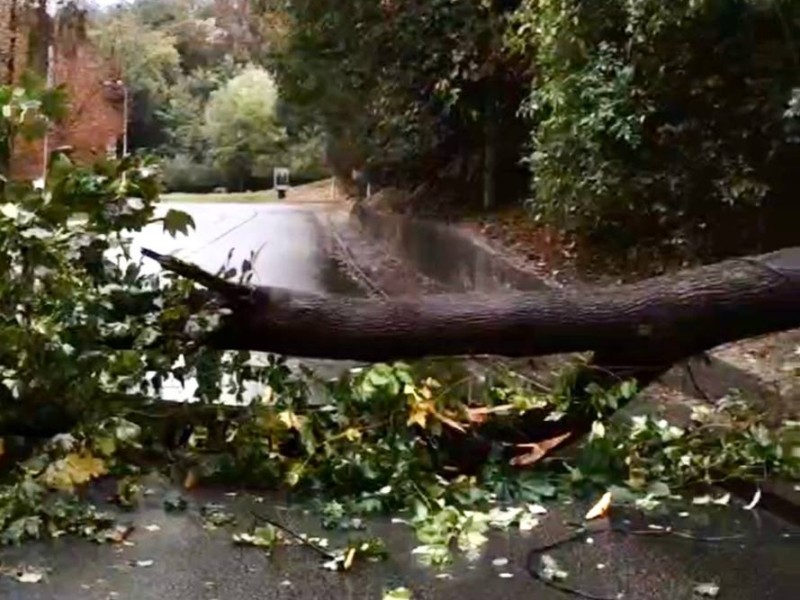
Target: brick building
(32, 40)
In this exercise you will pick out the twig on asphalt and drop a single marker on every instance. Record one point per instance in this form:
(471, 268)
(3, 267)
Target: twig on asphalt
(294, 535)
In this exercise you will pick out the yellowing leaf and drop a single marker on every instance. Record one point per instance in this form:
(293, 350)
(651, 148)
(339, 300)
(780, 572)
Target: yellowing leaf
(432, 383)
(352, 434)
(471, 539)
(418, 414)
(292, 420)
(348, 559)
(294, 474)
(600, 508)
(74, 470)
(191, 479)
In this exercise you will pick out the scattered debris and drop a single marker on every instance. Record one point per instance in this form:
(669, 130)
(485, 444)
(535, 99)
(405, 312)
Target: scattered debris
(550, 569)
(174, 502)
(706, 500)
(754, 502)
(27, 574)
(266, 537)
(400, 593)
(536, 452)
(216, 515)
(600, 509)
(144, 563)
(505, 575)
(500, 562)
(707, 590)
(343, 560)
(116, 535)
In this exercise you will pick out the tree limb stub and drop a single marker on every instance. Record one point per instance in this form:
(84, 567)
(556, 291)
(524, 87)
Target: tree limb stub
(656, 321)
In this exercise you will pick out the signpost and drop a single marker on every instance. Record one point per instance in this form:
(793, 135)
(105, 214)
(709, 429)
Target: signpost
(280, 181)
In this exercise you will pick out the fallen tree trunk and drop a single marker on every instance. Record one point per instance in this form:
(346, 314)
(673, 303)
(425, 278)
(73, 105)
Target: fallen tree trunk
(635, 331)
(648, 324)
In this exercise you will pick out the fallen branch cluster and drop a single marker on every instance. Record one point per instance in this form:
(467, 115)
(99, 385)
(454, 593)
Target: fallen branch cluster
(635, 331)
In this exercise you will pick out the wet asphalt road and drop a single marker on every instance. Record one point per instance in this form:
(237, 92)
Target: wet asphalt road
(189, 562)
(289, 241)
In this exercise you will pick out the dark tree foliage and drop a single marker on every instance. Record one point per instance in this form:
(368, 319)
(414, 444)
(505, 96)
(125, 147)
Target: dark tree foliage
(416, 89)
(671, 126)
(664, 122)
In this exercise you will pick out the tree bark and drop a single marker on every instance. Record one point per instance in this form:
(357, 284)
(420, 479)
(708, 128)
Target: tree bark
(650, 323)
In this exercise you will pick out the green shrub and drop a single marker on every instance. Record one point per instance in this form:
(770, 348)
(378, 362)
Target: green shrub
(182, 174)
(663, 122)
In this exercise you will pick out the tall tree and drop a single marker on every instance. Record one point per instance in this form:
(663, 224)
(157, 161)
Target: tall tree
(242, 125)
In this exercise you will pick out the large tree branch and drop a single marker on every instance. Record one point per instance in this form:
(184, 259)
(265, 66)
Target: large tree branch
(653, 322)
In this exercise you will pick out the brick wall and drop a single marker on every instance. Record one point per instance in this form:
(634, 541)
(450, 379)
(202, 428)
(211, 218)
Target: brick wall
(13, 40)
(95, 117)
(6, 39)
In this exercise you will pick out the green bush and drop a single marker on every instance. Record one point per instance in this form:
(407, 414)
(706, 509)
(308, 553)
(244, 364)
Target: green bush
(182, 174)
(663, 122)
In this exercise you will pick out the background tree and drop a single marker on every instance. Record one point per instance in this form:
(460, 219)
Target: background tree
(242, 126)
(430, 105)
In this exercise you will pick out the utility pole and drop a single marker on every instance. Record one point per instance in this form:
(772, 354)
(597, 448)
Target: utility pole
(46, 141)
(119, 83)
(124, 118)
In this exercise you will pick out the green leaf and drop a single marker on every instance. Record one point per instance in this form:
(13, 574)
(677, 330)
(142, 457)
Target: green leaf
(658, 489)
(627, 389)
(178, 221)
(266, 537)
(174, 502)
(217, 515)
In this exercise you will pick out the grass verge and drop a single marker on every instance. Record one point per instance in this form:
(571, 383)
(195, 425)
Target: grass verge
(222, 198)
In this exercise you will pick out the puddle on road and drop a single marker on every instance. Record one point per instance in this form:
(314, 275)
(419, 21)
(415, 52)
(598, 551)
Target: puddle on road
(444, 254)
